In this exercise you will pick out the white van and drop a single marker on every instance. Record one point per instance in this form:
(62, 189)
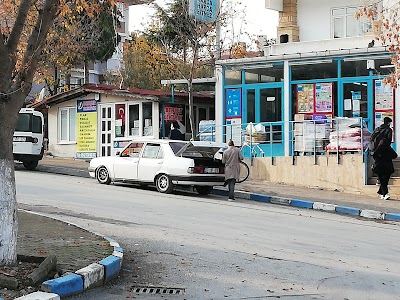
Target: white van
(28, 138)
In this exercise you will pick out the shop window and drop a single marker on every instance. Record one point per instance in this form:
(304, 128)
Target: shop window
(152, 151)
(317, 70)
(344, 24)
(67, 124)
(120, 120)
(251, 96)
(384, 66)
(264, 74)
(233, 77)
(147, 118)
(134, 123)
(354, 68)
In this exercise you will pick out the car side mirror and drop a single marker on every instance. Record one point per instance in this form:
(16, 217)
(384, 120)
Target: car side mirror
(118, 153)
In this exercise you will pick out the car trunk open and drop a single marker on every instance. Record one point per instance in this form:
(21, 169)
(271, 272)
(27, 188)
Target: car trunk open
(206, 155)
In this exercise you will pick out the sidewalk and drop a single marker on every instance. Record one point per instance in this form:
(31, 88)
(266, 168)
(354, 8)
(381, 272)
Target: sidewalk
(76, 167)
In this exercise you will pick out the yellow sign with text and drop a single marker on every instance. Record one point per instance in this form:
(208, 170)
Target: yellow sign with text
(87, 133)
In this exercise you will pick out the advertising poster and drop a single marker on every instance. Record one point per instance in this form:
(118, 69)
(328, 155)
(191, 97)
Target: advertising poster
(305, 98)
(174, 113)
(233, 103)
(86, 146)
(324, 98)
(383, 96)
(234, 131)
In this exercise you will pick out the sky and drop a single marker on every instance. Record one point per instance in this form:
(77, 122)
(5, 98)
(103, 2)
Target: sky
(255, 19)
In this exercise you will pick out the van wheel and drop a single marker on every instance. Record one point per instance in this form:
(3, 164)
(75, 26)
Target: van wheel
(102, 175)
(164, 184)
(30, 165)
(204, 190)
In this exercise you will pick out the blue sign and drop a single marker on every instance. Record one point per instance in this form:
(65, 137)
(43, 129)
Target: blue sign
(84, 106)
(204, 10)
(233, 103)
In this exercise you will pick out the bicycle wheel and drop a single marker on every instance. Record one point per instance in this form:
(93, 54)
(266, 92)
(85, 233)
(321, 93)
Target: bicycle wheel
(244, 172)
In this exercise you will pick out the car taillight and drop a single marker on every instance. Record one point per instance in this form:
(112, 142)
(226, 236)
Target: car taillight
(196, 170)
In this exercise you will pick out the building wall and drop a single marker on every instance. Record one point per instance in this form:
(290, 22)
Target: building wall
(55, 147)
(327, 173)
(68, 149)
(314, 17)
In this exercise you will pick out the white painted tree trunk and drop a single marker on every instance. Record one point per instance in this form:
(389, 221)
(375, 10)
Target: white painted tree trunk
(8, 213)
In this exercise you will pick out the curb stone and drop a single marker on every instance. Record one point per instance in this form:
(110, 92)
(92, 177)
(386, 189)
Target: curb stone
(96, 274)
(309, 204)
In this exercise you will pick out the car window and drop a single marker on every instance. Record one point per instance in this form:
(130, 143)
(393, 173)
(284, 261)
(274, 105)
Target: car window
(176, 146)
(133, 150)
(152, 151)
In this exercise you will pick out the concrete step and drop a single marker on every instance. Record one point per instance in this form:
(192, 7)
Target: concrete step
(394, 181)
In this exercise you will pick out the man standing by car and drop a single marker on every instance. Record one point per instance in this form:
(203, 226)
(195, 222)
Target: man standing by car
(231, 158)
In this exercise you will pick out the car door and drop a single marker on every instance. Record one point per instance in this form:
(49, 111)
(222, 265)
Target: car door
(150, 161)
(126, 166)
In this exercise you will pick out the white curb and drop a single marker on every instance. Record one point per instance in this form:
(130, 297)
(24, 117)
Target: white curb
(324, 206)
(40, 296)
(372, 214)
(93, 275)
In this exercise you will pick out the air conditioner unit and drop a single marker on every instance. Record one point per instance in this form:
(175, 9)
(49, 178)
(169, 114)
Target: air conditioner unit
(274, 5)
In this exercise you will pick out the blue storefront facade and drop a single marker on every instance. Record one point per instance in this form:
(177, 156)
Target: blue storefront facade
(278, 90)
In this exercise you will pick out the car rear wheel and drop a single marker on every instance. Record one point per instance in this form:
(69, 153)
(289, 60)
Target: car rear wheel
(164, 184)
(30, 165)
(102, 175)
(204, 190)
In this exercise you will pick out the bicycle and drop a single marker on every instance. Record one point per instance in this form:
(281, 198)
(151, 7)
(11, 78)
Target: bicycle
(244, 172)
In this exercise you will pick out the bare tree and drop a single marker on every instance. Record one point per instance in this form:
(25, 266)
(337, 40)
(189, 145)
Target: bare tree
(24, 28)
(384, 16)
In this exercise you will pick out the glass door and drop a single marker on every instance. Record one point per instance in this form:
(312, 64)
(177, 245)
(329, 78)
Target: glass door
(263, 107)
(355, 99)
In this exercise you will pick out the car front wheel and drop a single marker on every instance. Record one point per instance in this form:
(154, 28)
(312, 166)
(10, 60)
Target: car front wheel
(102, 175)
(164, 184)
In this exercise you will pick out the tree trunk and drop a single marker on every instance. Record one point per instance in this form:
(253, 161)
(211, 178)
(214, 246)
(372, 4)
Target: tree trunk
(8, 204)
(86, 72)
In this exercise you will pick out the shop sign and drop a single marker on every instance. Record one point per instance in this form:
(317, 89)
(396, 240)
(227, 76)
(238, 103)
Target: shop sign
(86, 146)
(233, 103)
(173, 113)
(204, 10)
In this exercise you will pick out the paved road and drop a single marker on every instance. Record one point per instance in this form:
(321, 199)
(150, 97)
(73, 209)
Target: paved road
(216, 249)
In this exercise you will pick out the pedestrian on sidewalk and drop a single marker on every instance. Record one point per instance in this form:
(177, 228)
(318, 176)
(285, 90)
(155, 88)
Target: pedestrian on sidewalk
(232, 158)
(383, 131)
(383, 166)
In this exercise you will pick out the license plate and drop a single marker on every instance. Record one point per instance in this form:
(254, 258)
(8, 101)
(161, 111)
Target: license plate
(211, 170)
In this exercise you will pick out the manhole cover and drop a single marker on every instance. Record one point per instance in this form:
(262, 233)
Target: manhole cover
(157, 290)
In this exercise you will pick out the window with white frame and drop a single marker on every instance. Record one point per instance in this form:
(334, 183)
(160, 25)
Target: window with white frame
(67, 124)
(344, 23)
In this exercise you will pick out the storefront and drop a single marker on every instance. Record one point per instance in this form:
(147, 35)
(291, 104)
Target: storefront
(276, 91)
(99, 120)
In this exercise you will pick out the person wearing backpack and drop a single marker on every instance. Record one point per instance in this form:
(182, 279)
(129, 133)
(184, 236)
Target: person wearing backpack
(383, 131)
(383, 166)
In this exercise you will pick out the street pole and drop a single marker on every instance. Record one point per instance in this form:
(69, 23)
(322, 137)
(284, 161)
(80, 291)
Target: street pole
(218, 31)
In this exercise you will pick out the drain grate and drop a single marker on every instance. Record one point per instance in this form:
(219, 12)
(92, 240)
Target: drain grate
(157, 290)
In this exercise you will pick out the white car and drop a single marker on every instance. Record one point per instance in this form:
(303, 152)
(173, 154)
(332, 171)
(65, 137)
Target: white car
(165, 163)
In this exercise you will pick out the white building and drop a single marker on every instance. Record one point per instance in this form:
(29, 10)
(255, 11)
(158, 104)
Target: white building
(324, 66)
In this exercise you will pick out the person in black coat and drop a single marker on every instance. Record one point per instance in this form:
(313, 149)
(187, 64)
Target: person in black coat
(383, 166)
(175, 133)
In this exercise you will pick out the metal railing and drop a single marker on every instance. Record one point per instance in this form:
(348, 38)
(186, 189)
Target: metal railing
(294, 138)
